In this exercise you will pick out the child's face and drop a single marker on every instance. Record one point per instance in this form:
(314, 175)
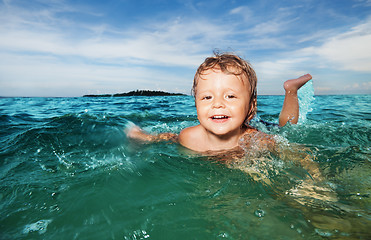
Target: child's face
(222, 102)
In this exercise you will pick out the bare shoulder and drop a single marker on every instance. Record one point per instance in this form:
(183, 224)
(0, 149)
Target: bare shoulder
(187, 135)
(190, 137)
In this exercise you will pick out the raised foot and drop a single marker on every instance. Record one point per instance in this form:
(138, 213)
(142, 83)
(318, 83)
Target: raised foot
(293, 85)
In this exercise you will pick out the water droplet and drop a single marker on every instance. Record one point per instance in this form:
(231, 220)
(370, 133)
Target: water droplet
(223, 235)
(259, 213)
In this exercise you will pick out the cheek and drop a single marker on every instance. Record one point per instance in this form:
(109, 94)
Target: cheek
(242, 109)
(240, 106)
(199, 108)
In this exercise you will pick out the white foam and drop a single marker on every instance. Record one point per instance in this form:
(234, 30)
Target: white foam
(39, 226)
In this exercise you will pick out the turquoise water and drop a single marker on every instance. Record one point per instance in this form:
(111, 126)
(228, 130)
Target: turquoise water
(68, 172)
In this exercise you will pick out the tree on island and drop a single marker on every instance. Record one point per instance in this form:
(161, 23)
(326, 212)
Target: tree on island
(137, 93)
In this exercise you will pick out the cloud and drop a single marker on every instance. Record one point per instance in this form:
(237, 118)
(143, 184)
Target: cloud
(365, 86)
(274, 26)
(350, 50)
(81, 50)
(362, 3)
(42, 56)
(48, 76)
(242, 11)
(340, 57)
(176, 42)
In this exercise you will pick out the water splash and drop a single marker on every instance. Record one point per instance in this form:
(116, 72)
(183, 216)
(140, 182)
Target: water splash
(306, 98)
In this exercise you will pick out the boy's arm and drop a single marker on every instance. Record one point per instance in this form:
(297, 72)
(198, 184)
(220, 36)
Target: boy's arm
(137, 133)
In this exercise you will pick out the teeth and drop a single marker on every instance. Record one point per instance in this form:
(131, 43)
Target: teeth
(219, 117)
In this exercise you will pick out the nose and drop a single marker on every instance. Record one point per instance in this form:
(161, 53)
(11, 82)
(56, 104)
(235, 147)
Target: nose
(218, 103)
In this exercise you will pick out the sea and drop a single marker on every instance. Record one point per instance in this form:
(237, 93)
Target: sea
(68, 171)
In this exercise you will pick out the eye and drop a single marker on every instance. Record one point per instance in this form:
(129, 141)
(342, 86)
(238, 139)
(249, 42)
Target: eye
(231, 96)
(206, 98)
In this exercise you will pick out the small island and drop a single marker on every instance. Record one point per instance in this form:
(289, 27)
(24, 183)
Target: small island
(137, 93)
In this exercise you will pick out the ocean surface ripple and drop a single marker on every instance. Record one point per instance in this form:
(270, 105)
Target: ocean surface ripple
(68, 171)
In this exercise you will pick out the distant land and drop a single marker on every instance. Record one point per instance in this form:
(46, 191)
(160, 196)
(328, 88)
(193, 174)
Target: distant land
(137, 93)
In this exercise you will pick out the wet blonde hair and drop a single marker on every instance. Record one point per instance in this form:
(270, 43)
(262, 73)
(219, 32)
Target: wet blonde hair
(230, 63)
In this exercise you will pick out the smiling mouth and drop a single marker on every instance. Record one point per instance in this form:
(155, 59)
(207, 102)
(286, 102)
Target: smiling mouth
(219, 117)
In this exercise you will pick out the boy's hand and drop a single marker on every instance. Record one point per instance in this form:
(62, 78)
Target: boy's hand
(135, 132)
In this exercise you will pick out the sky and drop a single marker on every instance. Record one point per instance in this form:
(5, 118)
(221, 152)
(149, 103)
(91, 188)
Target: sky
(63, 48)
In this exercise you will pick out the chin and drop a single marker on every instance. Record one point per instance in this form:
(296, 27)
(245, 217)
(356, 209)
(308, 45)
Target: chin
(223, 132)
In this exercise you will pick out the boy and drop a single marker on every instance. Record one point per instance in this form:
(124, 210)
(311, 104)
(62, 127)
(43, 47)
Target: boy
(224, 88)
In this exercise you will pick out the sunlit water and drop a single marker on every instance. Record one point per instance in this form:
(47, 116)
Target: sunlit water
(68, 171)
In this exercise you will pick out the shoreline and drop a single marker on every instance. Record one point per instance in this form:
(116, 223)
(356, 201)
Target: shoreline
(137, 93)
